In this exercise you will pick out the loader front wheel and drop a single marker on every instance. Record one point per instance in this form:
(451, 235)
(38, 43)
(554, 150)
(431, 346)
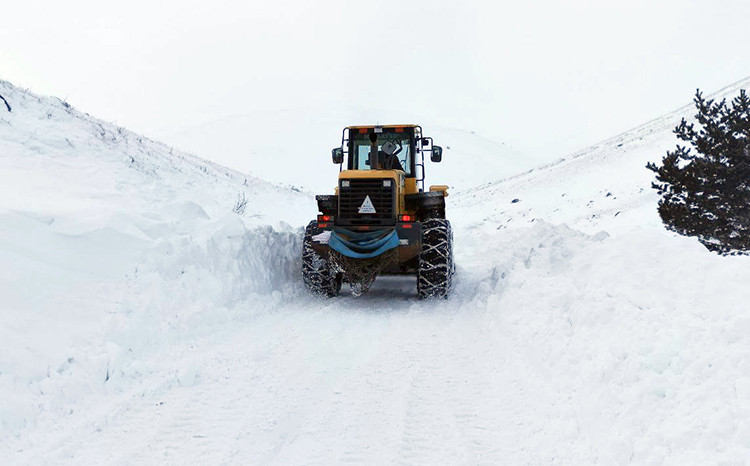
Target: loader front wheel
(316, 270)
(435, 271)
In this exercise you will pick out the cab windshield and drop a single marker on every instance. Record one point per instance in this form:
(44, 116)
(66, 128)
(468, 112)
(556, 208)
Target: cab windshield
(394, 151)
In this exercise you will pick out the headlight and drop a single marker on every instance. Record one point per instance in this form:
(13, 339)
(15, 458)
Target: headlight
(386, 183)
(345, 183)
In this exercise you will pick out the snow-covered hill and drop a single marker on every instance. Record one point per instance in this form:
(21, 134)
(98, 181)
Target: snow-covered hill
(605, 186)
(87, 210)
(144, 322)
(293, 146)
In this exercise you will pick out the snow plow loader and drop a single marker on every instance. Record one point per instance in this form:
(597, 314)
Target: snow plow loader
(380, 220)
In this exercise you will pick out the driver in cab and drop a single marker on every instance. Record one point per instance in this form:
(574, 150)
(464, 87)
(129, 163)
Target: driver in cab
(388, 155)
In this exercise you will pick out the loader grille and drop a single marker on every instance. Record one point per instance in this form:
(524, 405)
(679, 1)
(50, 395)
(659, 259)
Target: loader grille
(351, 199)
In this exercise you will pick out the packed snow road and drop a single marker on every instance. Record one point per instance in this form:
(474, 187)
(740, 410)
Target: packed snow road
(289, 379)
(545, 352)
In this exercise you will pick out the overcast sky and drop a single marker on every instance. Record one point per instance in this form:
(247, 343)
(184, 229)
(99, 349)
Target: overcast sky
(546, 77)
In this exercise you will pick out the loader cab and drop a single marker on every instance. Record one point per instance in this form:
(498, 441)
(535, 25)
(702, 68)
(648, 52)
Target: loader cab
(388, 147)
(380, 148)
(383, 149)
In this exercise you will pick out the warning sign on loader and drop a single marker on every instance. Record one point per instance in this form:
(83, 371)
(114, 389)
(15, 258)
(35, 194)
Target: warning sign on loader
(367, 207)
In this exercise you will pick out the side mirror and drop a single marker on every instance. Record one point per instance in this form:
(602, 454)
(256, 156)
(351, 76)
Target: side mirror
(437, 154)
(337, 154)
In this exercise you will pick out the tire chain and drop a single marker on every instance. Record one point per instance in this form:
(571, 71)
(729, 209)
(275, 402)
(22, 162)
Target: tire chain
(435, 272)
(316, 272)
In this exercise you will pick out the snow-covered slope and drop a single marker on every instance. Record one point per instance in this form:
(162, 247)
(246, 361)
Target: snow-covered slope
(86, 208)
(146, 323)
(293, 146)
(605, 186)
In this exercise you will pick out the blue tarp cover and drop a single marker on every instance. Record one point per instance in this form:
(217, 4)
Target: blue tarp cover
(362, 245)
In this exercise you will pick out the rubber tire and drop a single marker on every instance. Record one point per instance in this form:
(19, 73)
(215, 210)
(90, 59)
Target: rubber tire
(316, 273)
(435, 269)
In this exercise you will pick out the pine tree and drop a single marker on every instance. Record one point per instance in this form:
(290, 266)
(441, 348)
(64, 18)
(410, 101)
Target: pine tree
(705, 189)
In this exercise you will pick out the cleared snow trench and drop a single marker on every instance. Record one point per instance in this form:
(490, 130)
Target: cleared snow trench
(143, 322)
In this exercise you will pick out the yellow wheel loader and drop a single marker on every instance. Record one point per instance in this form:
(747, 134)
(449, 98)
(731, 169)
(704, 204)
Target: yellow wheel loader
(380, 220)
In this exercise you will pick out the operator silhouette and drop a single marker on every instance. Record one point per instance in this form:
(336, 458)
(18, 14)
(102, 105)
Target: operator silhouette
(387, 161)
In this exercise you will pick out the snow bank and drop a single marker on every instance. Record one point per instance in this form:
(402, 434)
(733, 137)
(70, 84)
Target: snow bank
(613, 343)
(220, 273)
(91, 216)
